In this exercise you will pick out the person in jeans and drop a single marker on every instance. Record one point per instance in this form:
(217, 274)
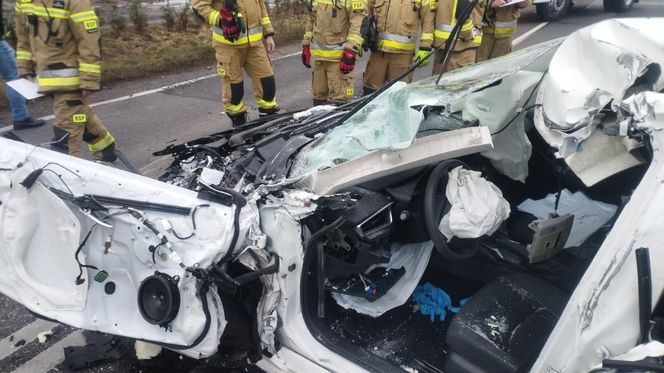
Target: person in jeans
(9, 71)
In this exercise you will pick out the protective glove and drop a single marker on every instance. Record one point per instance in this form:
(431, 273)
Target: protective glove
(230, 25)
(347, 63)
(306, 56)
(422, 55)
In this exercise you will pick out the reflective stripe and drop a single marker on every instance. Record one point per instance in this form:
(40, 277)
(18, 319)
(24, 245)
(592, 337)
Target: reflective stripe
(467, 26)
(59, 82)
(443, 31)
(254, 34)
(502, 28)
(328, 47)
(265, 21)
(89, 68)
(355, 39)
(353, 4)
(102, 144)
(327, 51)
(61, 73)
(58, 78)
(395, 41)
(43, 11)
(334, 54)
(214, 18)
(262, 104)
(23, 55)
(234, 109)
(508, 24)
(444, 27)
(441, 34)
(84, 16)
(426, 36)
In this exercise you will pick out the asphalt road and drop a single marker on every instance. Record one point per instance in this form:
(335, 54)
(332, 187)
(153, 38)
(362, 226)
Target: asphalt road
(146, 115)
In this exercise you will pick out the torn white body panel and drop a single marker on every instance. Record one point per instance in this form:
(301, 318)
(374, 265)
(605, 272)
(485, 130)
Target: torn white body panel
(40, 267)
(577, 89)
(424, 151)
(285, 234)
(601, 319)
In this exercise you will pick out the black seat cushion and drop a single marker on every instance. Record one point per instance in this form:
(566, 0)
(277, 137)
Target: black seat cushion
(504, 325)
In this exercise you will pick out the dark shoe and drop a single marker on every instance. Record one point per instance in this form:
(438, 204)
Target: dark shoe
(239, 120)
(27, 123)
(262, 113)
(108, 154)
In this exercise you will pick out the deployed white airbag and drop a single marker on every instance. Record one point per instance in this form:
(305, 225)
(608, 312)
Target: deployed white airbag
(478, 206)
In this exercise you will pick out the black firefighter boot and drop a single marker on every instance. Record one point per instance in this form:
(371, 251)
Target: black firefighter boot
(108, 154)
(263, 113)
(238, 119)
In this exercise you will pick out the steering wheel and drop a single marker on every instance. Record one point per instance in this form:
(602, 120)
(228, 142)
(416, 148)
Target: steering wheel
(436, 206)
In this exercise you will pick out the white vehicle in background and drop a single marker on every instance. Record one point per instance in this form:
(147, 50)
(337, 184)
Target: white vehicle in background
(553, 10)
(529, 187)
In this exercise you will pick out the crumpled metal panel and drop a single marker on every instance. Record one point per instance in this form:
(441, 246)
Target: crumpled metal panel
(592, 70)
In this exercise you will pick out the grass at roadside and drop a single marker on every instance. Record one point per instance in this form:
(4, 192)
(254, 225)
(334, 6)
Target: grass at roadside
(131, 56)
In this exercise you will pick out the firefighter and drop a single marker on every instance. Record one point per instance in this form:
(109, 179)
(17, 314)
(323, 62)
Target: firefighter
(470, 37)
(332, 37)
(58, 44)
(242, 36)
(500, 27)
(397, 24)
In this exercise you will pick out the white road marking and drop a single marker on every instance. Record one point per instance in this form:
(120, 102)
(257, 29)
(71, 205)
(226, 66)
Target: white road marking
(528, 34)
(53, 355)
(152, 91)
(28, 333)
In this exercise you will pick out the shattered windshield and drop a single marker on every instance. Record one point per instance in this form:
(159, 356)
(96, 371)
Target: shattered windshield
(395, 118)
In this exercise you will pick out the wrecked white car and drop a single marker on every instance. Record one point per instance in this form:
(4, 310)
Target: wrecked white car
(503, 219)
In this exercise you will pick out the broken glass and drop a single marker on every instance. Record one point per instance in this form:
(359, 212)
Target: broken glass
(393, 119)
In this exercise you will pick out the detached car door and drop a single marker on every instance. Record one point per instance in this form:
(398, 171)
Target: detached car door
(102, 249)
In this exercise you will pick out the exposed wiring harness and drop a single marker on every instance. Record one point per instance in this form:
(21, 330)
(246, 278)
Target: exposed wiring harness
(193, 224)
(79, 279)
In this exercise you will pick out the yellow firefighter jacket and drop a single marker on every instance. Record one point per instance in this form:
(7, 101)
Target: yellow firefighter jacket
(58, 42)
(397, 22)
(471, 31)
(501, 22)
(332, 26)
(256, 21)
